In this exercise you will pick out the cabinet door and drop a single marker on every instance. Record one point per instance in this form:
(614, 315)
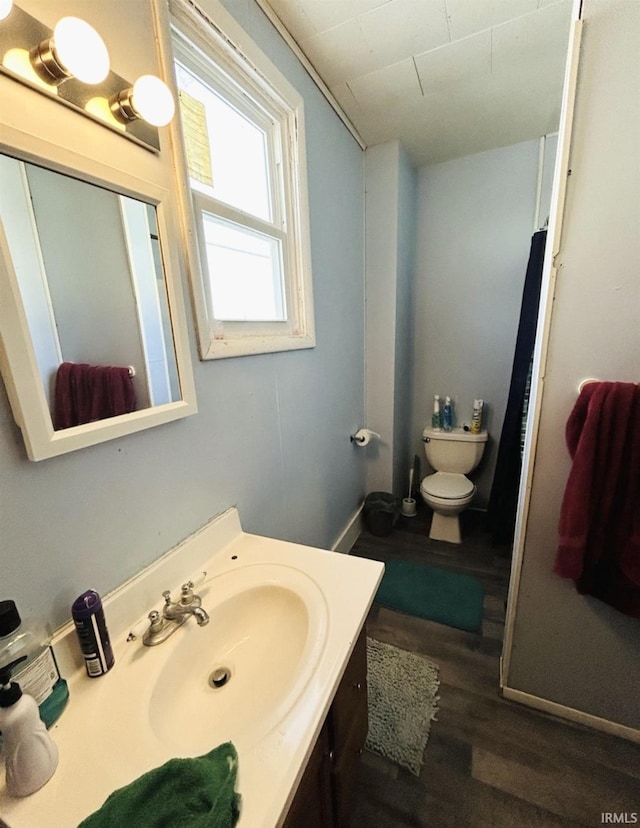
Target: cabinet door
(348, 726)
(312, 806)
(323, 796)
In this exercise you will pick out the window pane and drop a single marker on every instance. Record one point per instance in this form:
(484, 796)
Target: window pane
(245, 272)
(238, 149)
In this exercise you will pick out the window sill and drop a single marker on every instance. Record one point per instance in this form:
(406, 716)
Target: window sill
(252, 345)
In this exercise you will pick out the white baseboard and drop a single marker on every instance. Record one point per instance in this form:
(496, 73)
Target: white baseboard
(350, 534)
(555, 709)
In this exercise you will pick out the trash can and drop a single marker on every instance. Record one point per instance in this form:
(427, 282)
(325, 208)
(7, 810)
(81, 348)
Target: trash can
(381, 511)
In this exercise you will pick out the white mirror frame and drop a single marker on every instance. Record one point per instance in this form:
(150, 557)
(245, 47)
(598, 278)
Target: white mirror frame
(17, 356)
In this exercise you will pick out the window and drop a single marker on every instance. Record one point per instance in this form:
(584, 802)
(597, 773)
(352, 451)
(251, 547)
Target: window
(243, 137)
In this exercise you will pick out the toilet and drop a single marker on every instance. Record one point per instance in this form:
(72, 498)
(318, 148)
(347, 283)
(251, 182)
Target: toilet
(453, 454)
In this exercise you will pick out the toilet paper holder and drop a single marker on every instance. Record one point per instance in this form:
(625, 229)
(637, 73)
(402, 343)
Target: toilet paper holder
(363, 436)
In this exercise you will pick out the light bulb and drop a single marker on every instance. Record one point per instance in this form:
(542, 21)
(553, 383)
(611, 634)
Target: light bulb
(152, 100)
(5, 8)
(80, 50)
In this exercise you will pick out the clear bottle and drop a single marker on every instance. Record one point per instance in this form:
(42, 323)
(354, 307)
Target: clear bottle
(38, 676)
(447, 415)
(436, 417)
(30, 755)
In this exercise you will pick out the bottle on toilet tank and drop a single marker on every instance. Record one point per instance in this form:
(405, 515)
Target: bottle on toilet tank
(436, 417)
(476, 418)
(447, 414)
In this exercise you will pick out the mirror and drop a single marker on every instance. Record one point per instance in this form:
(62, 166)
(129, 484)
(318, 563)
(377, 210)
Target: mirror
(90, 340)
(93, 295)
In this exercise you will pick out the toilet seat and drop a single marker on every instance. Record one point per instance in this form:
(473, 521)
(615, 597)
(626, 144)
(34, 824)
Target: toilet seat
(447, 486)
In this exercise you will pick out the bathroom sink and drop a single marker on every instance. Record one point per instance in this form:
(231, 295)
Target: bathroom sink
(283, 621)
(238, 676)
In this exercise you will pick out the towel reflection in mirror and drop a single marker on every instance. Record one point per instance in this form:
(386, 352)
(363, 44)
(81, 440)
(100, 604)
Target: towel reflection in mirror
(85, 393)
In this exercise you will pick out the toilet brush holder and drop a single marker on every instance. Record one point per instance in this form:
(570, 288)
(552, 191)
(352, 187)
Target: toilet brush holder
(408, 507)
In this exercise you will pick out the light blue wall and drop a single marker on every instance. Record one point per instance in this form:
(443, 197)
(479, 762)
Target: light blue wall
(390, 210)
(405, 289)
(271, 435)
(475, 221)
(381, 255)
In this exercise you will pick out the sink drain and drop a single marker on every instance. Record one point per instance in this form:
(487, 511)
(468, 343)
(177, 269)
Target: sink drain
(219, 677)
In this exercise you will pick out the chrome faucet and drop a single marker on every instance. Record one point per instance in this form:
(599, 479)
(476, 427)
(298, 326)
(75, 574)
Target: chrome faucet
(159, 627)
(189, 604)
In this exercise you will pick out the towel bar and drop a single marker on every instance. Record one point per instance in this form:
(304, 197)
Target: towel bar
(584, 382)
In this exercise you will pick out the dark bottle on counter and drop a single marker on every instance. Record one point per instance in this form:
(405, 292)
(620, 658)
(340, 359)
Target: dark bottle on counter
(91, 627)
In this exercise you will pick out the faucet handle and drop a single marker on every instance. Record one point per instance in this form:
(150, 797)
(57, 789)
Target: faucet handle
(144, 625)
(138, 629)
(156, 621)
(186, 591)
(187, 598)
(196, 579)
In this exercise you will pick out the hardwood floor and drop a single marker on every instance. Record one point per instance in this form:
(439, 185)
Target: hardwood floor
(488, 761)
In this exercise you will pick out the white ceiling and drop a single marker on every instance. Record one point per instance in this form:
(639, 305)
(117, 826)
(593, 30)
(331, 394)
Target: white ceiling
(447, 77)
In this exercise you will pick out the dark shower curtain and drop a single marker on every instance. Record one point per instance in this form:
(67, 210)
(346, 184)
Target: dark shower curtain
(501, 513)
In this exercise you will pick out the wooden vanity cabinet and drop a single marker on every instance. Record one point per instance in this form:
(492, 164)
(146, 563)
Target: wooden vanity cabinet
(348, 723)
(312, 806)
(324, 793)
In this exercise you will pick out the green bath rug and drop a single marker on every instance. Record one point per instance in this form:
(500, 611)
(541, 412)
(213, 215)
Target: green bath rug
(403, 701)
(450, 598)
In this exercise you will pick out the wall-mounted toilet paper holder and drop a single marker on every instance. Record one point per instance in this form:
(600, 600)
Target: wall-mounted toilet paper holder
(363, 436)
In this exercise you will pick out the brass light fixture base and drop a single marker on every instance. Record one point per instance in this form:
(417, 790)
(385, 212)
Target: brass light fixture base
(21, 31)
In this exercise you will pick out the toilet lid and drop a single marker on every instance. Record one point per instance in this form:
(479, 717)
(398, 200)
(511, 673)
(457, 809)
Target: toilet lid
(447, 485)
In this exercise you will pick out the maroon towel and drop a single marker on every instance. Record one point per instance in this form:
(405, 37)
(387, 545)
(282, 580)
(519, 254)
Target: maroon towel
(85, 393)
(599, 531)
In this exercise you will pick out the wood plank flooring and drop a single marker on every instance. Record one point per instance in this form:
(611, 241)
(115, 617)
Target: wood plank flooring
(488, 761)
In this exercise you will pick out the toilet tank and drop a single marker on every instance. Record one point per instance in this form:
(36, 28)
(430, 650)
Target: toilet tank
(456, 451)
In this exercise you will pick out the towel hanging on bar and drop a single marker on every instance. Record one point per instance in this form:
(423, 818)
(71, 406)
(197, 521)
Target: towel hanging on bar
(599, 530)
(85, 393)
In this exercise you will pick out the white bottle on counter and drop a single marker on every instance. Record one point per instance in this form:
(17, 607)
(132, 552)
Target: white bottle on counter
(31, 756)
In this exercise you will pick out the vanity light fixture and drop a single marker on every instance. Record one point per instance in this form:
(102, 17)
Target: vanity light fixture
(75, 50)
(71, 64)
(149, 98)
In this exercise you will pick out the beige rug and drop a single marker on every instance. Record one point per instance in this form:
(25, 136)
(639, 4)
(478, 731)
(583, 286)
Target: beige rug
(403, 701)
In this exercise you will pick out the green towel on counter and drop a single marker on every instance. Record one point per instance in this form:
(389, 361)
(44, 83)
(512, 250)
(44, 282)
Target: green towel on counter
(190, 793)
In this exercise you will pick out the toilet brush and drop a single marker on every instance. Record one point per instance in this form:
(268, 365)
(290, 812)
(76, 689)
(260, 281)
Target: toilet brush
(409, 503)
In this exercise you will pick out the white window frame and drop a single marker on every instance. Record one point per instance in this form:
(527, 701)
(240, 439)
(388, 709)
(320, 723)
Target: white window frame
(218, 37)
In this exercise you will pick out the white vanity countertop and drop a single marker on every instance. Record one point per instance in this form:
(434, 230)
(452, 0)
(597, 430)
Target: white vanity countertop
(101, 751)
